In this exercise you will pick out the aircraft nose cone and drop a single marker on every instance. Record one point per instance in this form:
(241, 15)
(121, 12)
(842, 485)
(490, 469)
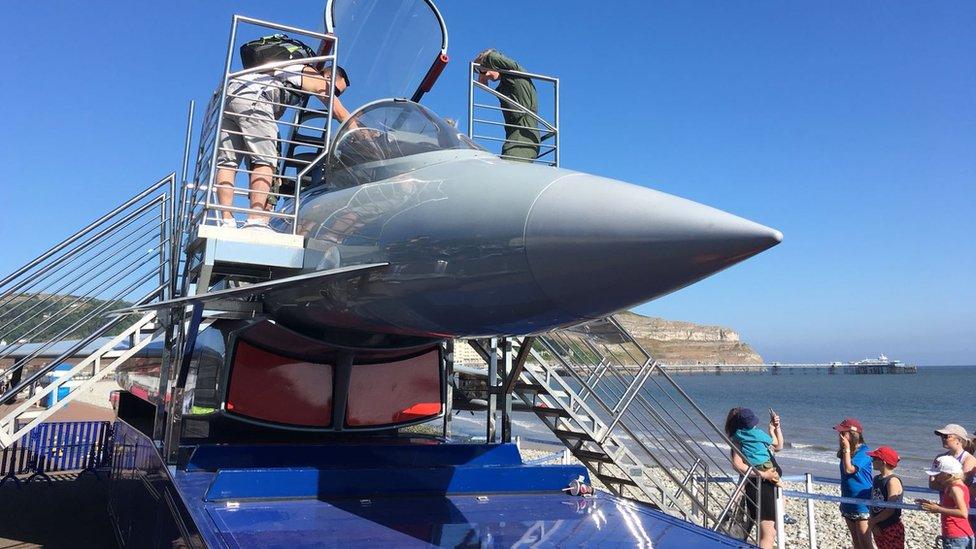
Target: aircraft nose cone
(596, 245)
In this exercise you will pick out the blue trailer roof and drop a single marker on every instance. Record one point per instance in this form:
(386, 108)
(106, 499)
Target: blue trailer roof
(430, 495)
(550, 520)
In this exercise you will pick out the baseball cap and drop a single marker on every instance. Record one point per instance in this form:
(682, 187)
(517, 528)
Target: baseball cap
(849, 424)
(945, 464)
(746, 419)
(953, 429)
(886, 454)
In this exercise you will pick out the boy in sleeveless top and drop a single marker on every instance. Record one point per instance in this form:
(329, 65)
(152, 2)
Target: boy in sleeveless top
(885, 523)
(953, 503)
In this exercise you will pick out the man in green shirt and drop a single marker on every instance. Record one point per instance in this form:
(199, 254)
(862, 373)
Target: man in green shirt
(521, 135)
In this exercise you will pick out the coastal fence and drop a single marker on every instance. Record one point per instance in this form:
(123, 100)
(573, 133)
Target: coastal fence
(811, 497)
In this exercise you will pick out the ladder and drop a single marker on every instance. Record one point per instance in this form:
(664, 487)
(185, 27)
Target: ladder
(621, 415)
(56, 311)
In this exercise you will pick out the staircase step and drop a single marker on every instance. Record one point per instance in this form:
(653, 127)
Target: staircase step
(610, 479)
(541, 389)
(587, 455)
(558, 412)
(563, 433)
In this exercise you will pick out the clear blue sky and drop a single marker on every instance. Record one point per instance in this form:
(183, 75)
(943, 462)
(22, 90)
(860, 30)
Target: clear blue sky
(851, 127)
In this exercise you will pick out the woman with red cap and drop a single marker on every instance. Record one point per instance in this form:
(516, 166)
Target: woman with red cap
(885, 523)
(855, 480)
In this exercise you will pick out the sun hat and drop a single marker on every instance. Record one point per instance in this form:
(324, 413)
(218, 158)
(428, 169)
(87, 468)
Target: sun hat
(953, 429)
(886, 454)
(849, 424)
(745, 419)
(945, 464)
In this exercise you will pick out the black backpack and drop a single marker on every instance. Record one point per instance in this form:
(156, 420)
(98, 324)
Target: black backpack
(277, 47)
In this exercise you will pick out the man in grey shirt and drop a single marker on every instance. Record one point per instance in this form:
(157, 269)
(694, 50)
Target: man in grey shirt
(249, 129)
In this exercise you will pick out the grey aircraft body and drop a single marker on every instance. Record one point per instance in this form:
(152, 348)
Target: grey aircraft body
(479, 246)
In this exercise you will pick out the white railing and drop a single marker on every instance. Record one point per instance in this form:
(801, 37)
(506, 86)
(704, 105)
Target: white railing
(303, 134)
(485, 131)
(809, 480)
(138, 334)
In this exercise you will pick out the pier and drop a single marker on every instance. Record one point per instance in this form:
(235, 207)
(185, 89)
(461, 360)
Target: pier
(788, 369)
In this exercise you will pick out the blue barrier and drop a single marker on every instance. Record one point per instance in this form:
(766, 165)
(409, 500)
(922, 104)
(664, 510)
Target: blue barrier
(61, 446)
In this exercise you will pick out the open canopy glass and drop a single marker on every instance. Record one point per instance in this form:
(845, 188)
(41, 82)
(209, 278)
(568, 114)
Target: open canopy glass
(389, 48)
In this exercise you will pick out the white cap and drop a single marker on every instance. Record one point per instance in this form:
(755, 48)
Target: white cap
(945, 464)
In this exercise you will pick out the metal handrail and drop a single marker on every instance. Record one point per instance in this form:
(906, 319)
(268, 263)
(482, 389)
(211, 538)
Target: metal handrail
(199, 203)
(552, 128)
(655, 426)
(91, 226)
(117, 255)
(86, 278)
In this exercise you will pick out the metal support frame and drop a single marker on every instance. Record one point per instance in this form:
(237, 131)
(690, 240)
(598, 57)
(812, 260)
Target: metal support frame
(447, 355)
(506, 349)
(174, 383)
(492, 390)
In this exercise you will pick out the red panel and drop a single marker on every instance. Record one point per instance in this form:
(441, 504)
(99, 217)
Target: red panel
(274, 388)
(394, 392)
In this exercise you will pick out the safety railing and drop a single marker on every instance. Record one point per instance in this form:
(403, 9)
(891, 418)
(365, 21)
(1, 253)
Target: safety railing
(675, 446)
(601, 394)
(811, 497)
(58, 304)
(301, 134)
(487, 123)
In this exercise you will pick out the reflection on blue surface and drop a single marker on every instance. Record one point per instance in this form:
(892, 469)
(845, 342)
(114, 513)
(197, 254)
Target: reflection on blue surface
(445, 496)
(549, 520)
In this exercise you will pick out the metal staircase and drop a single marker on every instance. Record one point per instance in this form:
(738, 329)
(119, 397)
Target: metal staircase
(620, 414)
(55, 311)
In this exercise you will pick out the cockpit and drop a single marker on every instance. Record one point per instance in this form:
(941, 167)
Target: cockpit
(382, 140)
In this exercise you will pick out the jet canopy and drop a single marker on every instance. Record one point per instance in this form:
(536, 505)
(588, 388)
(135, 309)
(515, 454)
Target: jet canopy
(388, 138)
(389, 48)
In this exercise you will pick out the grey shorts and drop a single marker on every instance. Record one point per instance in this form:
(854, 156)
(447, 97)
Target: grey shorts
(256, 121)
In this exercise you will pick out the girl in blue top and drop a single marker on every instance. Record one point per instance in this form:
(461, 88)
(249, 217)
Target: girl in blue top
(855, 480)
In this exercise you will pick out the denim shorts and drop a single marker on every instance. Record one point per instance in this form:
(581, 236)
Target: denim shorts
(957, 543)
(855, 516)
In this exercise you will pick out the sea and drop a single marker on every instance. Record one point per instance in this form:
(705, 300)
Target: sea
(901, 411)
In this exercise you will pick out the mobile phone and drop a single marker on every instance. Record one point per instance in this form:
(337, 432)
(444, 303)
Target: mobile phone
(772, 413)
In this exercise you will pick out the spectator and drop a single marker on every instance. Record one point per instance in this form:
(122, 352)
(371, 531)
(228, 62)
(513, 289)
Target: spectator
(249, 129)
(521, 129)
(953, 503)
(958, 445)
(886, 526)
(855, 480)
(756, 444)
(765, 494)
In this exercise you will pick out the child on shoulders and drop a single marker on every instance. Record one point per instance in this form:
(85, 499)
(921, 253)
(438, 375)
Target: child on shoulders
(755, 442)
